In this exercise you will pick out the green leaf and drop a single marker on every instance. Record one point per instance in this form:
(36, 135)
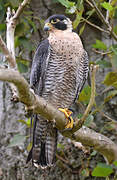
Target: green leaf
(110, 95)
(85, 95)
(93, 153)
(22, 67)
(85, 172)
(80, 5)
(67, 3)
(77, 19)
(110, 78)
(2, 27)
(81, 29)
(104, 64)
(18, 30)
(29, 146)
(89, 120)
(27, 122)
(90, 13)
(99, 45)
(115, 163)
(102, 170)
(22, 121)
(114, 49)
(32, 24)
(23, 61)
(107, 6)
(25, 43)
(115, 14)
(17, 140)
(115, 29)
(14, 3)
(60, 146)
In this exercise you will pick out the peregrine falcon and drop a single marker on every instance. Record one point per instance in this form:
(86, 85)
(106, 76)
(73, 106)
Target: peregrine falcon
(59, 71)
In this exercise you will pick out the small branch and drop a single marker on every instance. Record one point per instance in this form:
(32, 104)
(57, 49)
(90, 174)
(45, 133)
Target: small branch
(20, 9)
(7, 54)
(95, 26)
(10, 32)
(101, 15)
(102, 53)
(102, 18)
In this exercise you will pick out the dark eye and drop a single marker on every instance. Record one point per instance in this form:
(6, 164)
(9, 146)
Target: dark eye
(54, 21)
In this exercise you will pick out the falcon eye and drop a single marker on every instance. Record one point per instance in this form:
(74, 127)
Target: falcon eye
(54, 21)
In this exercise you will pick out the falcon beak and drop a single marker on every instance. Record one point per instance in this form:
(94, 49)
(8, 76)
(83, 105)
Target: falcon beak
(47, 27)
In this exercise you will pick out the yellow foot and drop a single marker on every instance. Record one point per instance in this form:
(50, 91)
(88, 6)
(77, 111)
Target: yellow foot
(69, 117)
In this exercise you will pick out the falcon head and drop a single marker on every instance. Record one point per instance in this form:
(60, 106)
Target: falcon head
(58, 22)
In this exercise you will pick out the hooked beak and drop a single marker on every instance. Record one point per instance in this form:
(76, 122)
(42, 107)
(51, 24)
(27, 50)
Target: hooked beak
(47, 27)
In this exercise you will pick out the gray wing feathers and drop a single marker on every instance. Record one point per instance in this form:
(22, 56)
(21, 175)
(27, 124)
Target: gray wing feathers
(82, 73)
(39, 65)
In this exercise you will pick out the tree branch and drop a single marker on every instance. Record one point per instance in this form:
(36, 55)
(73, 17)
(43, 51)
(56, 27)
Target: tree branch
(20, 9)
(11, 20)
(86, 136)
(103, 19)
(95, 26)
(7, 54)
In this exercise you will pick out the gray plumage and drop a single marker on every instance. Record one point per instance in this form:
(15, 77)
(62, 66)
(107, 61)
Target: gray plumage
(59, 71)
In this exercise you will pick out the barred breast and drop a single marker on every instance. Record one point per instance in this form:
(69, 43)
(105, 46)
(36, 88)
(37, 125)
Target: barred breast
(60, 80)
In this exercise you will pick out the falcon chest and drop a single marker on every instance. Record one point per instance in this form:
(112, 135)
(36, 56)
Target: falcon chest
(63, 60)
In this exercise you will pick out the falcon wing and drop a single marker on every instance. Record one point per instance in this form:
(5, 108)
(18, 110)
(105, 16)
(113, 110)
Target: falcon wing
(82, 73)
(38, 70)
(39, 66)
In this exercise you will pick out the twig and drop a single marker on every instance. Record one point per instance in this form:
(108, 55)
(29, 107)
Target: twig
(62, 159)
(89, 3)
(20, 9)
(102, 18)
(95, 26)
(102, 53)
(106, 116)
(101, 15)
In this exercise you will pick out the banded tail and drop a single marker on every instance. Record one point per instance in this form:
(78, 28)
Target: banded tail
(44, 144)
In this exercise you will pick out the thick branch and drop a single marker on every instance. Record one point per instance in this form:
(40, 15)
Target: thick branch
(98, 141)
(86, 136)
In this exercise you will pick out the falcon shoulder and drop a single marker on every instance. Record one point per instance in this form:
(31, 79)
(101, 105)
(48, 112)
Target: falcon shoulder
(39, 66)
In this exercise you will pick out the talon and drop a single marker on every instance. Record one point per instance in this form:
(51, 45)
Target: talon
(69, 118)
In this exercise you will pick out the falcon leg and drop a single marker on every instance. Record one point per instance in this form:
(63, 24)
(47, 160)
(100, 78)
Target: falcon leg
(69, 118)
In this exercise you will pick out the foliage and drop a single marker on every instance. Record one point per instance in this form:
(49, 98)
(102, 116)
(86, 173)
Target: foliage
(23, 32)
(104, 170)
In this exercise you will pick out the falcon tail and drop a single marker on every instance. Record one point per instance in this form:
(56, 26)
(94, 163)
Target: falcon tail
(44, 146)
